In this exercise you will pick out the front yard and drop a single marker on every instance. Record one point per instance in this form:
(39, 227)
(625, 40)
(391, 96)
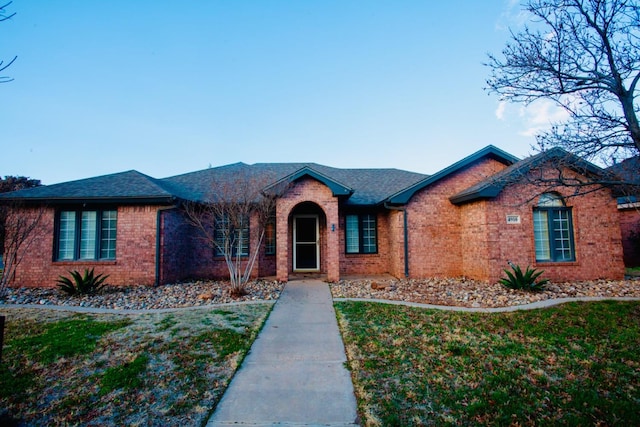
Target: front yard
(156, 369)
(575, 364)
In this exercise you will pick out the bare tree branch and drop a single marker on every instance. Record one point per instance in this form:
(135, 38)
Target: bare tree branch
(224, 218)
(584, 55)
(21, 227)
(3, 66)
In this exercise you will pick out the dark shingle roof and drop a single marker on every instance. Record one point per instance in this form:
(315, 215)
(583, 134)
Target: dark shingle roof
(357, 187)
(123, 187)
(361, 186)
(628, 170)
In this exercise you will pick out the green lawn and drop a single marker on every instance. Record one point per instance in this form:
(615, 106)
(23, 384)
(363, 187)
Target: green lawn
(60, 368)
(577, 364)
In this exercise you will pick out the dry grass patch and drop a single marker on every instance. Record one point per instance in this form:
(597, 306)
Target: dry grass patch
(575, 364)
(60, 368)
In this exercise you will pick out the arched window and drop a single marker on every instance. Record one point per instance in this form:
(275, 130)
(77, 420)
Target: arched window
(553, 229)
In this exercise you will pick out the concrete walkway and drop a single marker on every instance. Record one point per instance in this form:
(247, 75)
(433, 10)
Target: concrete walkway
(294, 374)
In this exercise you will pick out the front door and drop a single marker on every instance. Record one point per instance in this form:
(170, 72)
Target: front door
(306, 251)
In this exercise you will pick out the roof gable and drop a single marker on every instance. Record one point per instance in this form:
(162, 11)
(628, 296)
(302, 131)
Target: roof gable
(492, 186)
(489, 151)
(337, 188)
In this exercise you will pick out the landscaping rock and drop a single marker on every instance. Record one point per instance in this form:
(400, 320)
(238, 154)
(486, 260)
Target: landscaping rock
(191, 294)
(463, 292)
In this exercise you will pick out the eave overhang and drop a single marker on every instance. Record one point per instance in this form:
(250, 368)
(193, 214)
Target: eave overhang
(489, 151)
(486, 193)
(151, 200)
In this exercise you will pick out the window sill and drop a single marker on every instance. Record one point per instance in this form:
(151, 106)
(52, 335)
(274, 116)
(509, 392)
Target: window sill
(556, 263)
(86, 262)
(355, 255)
(242, 258)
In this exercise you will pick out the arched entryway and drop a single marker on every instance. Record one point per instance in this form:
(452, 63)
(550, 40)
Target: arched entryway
(308, 225)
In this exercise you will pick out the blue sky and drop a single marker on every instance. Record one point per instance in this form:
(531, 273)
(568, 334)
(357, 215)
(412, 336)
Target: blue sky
(172, 87)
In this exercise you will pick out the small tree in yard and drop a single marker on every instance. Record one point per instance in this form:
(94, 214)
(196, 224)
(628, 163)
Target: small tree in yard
(21, 227)
(223, 223)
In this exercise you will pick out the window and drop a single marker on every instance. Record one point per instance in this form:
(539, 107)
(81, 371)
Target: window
(361, 234)
(86, 235)
(231, 236)
(270, 237)
(553, 229)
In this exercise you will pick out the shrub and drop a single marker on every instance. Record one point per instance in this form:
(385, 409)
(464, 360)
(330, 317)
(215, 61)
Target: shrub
(86, 283)
(525, 281)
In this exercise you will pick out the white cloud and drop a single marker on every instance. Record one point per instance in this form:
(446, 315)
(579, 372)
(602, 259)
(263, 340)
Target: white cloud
(540, 115)
(500, 111)
(512, 16)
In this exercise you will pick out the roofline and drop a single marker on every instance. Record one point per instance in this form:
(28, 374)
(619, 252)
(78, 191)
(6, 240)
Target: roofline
(164, 200)
(486, 193)
(337, 189)
(489, 151)
(493, 189)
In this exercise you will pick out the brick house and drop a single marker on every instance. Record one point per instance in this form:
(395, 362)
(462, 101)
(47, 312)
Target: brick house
(467, 220)
(629, 209)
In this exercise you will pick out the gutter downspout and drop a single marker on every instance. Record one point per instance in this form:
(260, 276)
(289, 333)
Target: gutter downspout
(406, 235)
(156, 282)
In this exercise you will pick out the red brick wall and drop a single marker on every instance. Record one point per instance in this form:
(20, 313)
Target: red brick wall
(396, 243)
(135, 252)
(474, 241)
(434, 223)
(596, 235)
(630, 224)
(177, 239)
(362, 264)
(201, 263)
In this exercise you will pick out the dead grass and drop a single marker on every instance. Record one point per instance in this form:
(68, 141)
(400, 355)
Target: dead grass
(150, 369)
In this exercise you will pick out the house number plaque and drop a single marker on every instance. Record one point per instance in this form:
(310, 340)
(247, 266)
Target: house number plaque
(513, 219)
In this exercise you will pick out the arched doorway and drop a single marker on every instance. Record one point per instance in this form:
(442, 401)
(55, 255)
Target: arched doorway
(308, 223)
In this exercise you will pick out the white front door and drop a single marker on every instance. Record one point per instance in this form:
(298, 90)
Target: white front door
(306, 245)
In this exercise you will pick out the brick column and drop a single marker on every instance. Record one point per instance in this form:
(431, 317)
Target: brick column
(333, 242)
(282, 242)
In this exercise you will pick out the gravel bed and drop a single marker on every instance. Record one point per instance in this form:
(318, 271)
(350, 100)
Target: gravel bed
(458, 292)
(191, 294)
(463, 292)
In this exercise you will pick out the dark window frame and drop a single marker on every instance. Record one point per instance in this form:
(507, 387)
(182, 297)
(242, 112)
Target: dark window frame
(555, 248)
(218, 253)
(77, 235)
(361, 218)
(270, 241)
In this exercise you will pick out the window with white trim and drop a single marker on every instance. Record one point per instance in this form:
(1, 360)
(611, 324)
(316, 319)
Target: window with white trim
(86, 235)
(361, 234)
(553, 229)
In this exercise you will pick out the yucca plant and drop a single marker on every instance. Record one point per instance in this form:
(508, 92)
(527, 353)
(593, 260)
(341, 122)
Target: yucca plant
(525, 281)
(86, 283)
